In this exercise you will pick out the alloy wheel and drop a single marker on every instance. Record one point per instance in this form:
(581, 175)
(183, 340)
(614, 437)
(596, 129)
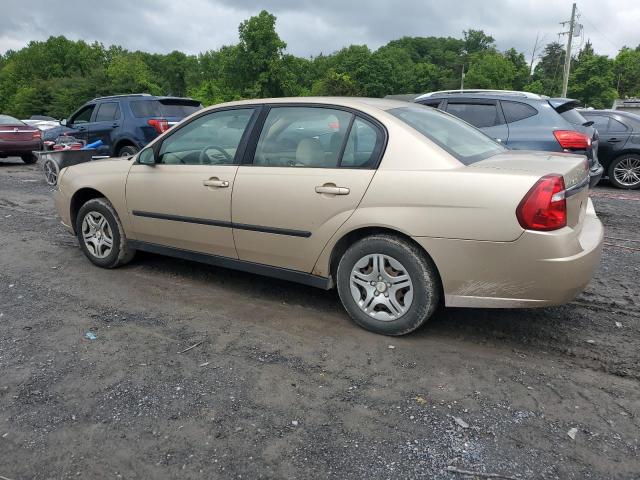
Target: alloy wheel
(381, 287)
(50, 169)
(627, 171)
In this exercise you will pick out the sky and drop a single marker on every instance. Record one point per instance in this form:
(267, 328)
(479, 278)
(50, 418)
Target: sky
(313, 27)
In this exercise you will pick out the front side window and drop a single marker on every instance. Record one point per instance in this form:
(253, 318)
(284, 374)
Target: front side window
(212, 139)
(460, 140)
(479, 115)
(302, 137)
(84, 116)
(108, 112)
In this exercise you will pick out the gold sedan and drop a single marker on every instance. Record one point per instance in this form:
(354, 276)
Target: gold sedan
(399, 206)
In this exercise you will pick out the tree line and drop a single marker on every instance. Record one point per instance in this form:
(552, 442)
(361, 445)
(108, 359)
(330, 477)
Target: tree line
(56, 76)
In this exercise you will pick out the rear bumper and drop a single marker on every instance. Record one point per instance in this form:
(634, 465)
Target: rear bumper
(17, 148)
(539, 269)
(595, 174)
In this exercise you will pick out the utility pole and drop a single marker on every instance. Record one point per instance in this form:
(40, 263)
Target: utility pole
(533, 54)
(462, 79)
(567, 58)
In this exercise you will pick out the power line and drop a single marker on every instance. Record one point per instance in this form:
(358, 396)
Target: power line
(599, 32)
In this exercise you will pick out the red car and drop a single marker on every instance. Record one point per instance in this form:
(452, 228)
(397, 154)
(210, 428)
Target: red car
(18, 139)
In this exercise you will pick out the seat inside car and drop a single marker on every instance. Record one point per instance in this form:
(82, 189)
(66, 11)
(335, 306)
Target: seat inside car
(310, 153)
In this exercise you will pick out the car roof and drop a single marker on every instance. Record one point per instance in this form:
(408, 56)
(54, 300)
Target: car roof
(349, 102)
(483, 93)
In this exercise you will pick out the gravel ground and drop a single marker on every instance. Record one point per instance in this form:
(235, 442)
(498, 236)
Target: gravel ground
(282, 385)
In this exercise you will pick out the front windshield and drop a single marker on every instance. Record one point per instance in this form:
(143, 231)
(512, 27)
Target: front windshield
(464, 142)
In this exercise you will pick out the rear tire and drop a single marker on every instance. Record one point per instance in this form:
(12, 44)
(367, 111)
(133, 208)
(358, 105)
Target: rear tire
(404, 293)
(624, 172)
(127, 151)
(29, 158)
(101, 236)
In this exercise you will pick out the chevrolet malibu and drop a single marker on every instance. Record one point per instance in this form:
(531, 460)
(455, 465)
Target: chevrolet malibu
(400, 207)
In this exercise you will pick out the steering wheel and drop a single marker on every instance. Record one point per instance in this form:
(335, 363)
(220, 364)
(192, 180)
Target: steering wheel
(204, 158)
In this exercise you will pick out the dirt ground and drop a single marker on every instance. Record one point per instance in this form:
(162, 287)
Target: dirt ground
(282, 385)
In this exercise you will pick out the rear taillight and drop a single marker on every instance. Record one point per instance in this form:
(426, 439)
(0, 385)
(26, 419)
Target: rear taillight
(544, 207)
(160, 124)
(571, 140)
(37, 135)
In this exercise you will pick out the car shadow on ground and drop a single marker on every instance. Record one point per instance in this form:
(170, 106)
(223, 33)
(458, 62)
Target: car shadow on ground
(518, 327)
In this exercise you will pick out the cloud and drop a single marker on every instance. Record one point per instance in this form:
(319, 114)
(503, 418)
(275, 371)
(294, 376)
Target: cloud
(311, 27)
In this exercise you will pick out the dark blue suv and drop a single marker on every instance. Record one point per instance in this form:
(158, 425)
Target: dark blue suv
(124, 123)
(523, 121)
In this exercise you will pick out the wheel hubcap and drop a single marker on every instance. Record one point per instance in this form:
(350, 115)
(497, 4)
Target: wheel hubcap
(381, 287)
(97, 235)
(627, 172)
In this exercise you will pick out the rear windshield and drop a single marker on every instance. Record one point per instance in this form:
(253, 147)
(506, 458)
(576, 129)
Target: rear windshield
(164, 108)
(7, 120)
(573, 116)
(458, 138)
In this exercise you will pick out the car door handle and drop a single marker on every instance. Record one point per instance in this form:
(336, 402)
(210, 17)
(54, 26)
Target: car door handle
(215, 182)
(81, 129)
(332, 190)
(613, 140)
(114, 125)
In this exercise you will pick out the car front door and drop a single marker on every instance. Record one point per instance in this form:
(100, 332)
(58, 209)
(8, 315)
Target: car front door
(307, 173)
(106, 120)
(184, 199)
(483, 114)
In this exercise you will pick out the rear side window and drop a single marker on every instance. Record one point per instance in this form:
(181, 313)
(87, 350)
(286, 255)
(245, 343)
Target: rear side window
(164, 108)
(309, 137)
(457, 138)
(616, 126)
(431, 103)
(362, 146)
(600, 122)
(516, 111)
(477, 114)
(108, 111)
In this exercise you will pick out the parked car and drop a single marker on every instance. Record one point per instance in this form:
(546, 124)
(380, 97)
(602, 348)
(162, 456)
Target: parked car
(400, 206)
(523, 121)
(619, 146)
(42, 122)
(630, 105)
(19, 139)
(124, 123)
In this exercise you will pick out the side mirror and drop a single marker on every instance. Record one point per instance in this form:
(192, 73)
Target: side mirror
(147, 157)
(63, 122)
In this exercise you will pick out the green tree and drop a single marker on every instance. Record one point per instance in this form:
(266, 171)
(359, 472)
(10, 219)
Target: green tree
(627, 72)
(490, 70)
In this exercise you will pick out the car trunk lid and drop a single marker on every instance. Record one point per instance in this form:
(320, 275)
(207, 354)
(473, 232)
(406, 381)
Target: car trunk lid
(17, 133)
(573, 168)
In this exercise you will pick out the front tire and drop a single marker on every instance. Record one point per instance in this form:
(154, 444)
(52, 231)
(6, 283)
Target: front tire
(388, 285)
(127, 151)
(624, 172)
(101, 236)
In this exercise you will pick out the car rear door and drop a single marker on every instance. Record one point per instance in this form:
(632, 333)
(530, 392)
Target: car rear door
(612, 138)
(304, 176)
(184, 199)
(484, 114)
(106, 119)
